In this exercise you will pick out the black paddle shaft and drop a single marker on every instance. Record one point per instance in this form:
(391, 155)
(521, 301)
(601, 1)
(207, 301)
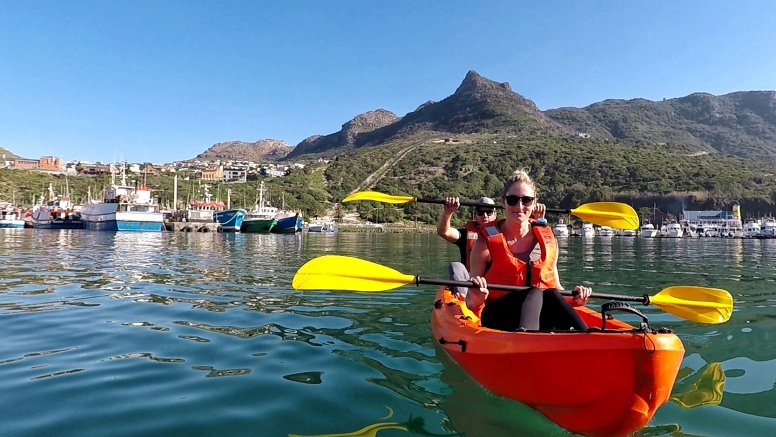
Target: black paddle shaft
(442, 202)
(511, 288)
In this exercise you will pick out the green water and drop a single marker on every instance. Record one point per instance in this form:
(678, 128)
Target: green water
(179, 334)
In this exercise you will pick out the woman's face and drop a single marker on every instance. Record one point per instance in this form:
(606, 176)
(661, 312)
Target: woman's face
(519, 202)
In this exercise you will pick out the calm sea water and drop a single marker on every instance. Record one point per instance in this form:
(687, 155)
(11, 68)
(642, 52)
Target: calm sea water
(174, 334)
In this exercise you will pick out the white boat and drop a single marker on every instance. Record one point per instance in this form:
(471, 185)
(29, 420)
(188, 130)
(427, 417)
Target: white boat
(707, 230)
(560, 229)
(124, 208)
(203, 210)
(605, 231)
(10, 217)
(326, 226)
(260, 219)
(587, 230)
(751, 229)
(674, 230)
(58, 213)
(768, 228)
(626, 233)
(648, 230)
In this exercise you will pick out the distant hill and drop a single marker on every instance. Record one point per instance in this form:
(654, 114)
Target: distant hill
(7, 155)
(741, 124)
(261, 150)
(478, 105)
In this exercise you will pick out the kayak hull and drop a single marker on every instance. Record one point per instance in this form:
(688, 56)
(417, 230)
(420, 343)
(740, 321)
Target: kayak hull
(592, 383)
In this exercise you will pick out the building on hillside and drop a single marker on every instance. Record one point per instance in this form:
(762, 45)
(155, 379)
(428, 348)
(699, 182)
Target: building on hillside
(234, 174)
(26, 164)
(212, 174)
(50, 163)
(95, 169)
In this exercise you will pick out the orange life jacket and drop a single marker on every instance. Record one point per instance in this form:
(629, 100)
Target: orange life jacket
(471, 237)
(506, 269)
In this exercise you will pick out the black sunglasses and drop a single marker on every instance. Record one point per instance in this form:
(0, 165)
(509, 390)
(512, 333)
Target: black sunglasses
(512, 199)
(481, 212)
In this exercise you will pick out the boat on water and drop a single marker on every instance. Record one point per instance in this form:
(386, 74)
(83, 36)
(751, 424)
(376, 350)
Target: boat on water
(751, 229)
(327, 226)
(674, 230)
(10, 217)
(288, 222)
(202, 210)
(623, 384)
(648, 230)
(560, 229)
(626, 233)
(57, 213)
(261, 218)
(587, 230)
(230, 220)
(768, 228)
(605, 231)
(124, 208)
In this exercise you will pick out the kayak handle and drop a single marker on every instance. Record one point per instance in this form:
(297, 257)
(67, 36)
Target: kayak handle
(619, 306)
(462, 343)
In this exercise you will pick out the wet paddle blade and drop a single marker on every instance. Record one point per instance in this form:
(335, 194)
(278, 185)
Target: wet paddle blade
(378, 197)
(614, 214)
(699, 304)
(334, 272)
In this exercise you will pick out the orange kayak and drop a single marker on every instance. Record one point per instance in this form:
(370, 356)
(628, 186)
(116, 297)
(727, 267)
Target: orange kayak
(596, 383)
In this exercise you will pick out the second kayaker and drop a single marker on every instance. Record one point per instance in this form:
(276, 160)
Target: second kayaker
(521, 250)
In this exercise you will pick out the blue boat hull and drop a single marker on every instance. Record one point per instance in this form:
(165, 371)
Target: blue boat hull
(288, 225)
(123, 225)
(60, 224)
(230, 220)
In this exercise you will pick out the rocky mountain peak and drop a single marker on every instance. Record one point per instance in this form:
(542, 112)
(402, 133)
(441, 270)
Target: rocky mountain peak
(261, 150)
(480, 86)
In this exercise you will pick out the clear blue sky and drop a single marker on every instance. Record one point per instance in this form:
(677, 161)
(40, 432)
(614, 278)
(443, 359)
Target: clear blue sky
(164, 80)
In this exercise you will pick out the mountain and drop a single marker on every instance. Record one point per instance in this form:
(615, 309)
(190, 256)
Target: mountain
(346, 137)
(478, 105)
(741, 124)
(6, 155)
(261, 150)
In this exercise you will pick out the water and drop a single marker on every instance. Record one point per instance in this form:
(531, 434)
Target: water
(180, 334)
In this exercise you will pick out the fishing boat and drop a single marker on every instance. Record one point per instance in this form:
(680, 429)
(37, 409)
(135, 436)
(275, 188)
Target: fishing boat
(560, 229)
(288, 222)
(230, 220)
(123, 208)
(10, 217)
(57, 213)
(203, 210)
(261, 218)
(624, 374)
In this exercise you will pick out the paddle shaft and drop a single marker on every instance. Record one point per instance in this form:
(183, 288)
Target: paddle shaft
(442, 202)
(468, 284)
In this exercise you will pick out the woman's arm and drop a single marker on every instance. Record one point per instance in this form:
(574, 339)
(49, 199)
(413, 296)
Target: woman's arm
(478, 260)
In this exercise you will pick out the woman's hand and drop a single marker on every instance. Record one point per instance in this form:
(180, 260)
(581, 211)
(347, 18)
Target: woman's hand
(539, 211)
(582, 295)
(477, 295)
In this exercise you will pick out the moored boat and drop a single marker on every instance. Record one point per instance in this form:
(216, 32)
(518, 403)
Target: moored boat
(58, 213)
(10, 217)
(203, 210)
(560, 229)
(587, 230)
(674, 230)
(230, 220)
(605, 231)
(124, 208)
(648, 230)
(288, 222)
(623, 374)
(260, 219)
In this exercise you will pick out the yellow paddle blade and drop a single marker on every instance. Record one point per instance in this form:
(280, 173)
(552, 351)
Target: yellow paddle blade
(614, 214)
(706, 390)
(378, 197)
(335, 272)
(699, 304)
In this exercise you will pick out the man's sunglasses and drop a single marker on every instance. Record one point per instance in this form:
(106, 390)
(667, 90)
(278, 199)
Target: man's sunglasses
(512, 199)
(482, 212)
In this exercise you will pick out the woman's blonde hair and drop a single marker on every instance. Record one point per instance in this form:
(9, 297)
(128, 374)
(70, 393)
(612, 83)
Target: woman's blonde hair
(519, 175)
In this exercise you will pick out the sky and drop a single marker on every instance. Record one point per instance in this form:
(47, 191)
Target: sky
(163, 80)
